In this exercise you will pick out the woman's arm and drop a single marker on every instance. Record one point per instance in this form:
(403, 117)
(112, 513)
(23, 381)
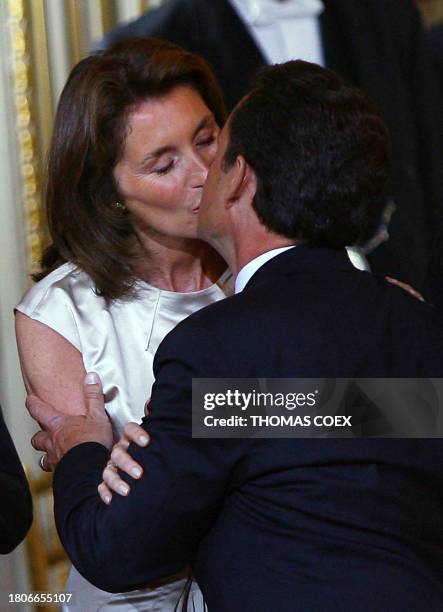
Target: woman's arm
(52, 367)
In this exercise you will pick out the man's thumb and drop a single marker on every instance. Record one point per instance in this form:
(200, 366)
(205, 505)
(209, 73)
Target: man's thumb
(93, 393)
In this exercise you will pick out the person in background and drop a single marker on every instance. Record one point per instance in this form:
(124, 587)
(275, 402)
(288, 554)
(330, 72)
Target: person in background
(16, 506)
(432, 11)
(380, 47)
(435, 39)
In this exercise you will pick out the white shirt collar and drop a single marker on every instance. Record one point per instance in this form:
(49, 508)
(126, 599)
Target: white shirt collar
(266, 12)
(251, 268)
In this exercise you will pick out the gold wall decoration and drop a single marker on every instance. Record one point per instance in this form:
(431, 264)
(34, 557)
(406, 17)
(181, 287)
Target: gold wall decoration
(46, 39)
(109, 15)
(41, 77)
(432, 11)
(35, 231)
(74, 32)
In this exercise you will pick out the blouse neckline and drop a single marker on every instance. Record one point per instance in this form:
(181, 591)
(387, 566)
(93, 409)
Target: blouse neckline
(218, 285)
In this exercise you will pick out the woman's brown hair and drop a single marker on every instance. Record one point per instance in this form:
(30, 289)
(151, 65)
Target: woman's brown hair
(87, 142)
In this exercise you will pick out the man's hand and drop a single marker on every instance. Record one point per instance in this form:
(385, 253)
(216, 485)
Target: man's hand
(61, 432)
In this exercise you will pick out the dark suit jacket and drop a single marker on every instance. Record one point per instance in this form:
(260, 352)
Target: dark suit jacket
(16, 506)
(379, 46)
(435, 40)
(285, 525)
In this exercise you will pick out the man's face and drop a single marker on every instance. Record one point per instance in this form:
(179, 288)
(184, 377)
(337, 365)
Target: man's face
(213, 214)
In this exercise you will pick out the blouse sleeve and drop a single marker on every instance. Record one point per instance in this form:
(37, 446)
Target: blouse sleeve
(50, 302)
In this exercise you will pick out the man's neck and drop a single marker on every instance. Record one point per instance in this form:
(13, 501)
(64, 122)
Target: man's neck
(249, 269)
(245, 252)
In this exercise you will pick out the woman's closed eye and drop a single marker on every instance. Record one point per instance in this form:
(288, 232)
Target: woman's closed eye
(206, 141)
(164, 168)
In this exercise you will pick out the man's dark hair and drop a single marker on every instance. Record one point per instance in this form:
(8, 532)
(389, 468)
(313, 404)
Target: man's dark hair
(319, 149)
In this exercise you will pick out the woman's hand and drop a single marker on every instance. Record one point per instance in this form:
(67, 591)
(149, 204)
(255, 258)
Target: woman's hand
(121, 460)
(405, 287)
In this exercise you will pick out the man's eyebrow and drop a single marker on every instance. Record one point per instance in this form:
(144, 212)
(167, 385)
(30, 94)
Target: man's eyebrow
(208, 120)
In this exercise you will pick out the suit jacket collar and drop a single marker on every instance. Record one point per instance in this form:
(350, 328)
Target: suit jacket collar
(224, 26)
(349, 54)
(302, 260)
(225, 40)
(339, 22)
(223, 37)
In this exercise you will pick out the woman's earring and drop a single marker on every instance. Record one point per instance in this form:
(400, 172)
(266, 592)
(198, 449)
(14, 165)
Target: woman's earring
(118, 206)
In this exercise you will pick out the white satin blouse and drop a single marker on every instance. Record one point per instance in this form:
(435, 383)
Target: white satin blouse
(118, 340)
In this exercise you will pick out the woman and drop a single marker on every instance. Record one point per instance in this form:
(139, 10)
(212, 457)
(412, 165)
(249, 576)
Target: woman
(135, 132)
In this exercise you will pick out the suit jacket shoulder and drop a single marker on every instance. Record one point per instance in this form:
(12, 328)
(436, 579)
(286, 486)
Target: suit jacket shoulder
(308, 313)
(175, 20)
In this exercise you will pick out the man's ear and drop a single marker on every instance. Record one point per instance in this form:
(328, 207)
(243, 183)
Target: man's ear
(242, 182)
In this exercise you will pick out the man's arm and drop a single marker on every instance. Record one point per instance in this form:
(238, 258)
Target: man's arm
(155, 531)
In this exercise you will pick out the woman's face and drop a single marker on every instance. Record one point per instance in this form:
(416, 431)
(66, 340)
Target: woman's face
(170, 143)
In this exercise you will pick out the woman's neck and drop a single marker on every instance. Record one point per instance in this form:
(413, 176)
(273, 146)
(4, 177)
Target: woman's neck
(181, 265)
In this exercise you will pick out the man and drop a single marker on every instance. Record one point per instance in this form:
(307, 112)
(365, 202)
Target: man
(16, 507)
(377, 45)
(285, 525)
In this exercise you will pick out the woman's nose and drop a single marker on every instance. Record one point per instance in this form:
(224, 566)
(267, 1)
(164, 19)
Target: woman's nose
(199, 171)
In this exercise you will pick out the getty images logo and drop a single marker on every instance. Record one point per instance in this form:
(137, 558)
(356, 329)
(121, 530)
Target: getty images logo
(256, 399)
